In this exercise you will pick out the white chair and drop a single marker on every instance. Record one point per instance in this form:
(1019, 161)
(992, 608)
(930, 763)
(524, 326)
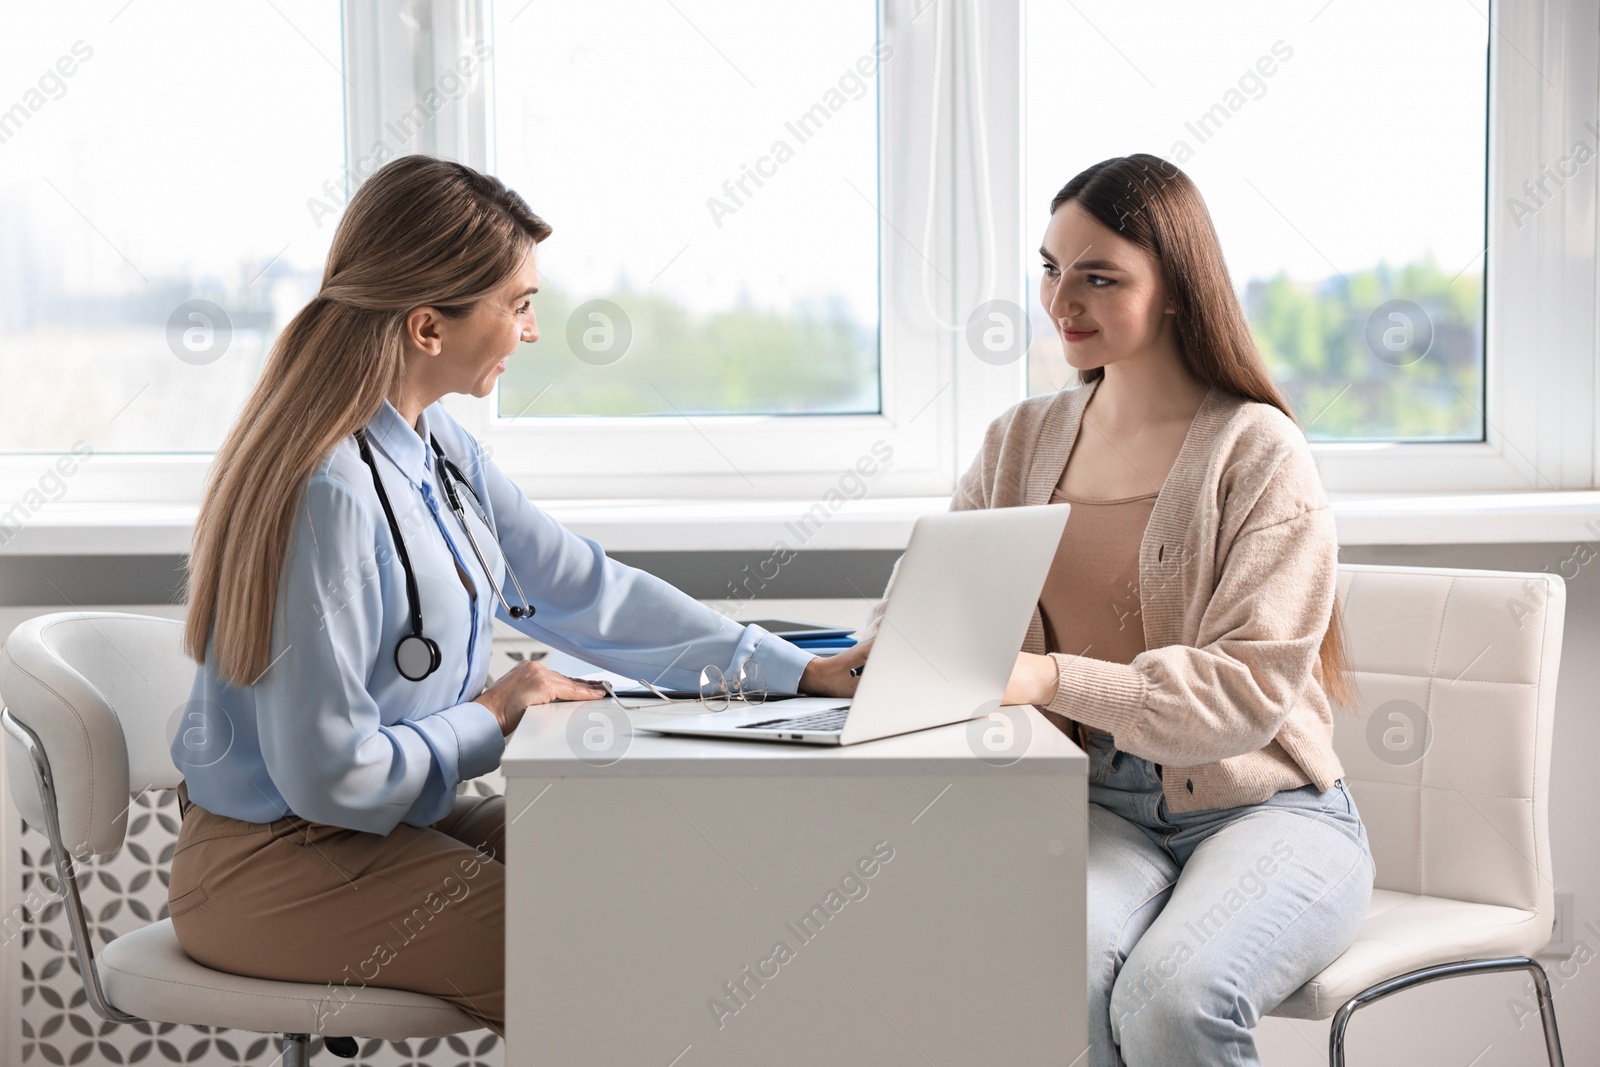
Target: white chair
(89, 696)
(1458, 821)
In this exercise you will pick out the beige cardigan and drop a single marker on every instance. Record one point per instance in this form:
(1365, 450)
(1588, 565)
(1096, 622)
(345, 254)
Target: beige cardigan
(1237, 574)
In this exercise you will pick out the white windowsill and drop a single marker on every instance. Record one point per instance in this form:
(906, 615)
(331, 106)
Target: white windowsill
(665, 526)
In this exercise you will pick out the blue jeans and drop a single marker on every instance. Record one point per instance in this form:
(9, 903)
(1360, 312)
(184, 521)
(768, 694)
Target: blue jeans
(1201, 922)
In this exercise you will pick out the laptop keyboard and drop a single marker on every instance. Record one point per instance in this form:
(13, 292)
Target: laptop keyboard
(829, 720)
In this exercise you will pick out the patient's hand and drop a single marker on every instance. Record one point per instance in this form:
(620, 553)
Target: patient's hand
(1033, 680)
(829, 676)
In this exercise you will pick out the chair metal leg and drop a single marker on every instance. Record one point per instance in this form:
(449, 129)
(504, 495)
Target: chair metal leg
(1541, 985)
(1547, 1013)
(296, 1050)
(66, 870)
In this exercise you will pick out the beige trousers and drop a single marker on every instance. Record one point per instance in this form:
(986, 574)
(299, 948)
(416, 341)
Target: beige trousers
(419, 908)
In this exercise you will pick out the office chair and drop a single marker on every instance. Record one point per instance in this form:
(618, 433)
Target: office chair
(1450, 769)
(88, 699)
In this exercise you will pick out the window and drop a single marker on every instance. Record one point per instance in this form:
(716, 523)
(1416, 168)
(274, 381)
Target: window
(164, 214)
(733, 301)
(711, 171)
(1348, 195)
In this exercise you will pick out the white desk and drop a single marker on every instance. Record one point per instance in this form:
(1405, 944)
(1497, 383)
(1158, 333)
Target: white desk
(657, 888)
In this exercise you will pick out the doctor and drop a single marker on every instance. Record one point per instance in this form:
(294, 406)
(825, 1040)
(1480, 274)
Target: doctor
(352, 549)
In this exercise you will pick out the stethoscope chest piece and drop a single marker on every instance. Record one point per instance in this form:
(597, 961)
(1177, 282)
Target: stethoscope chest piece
(416, 657)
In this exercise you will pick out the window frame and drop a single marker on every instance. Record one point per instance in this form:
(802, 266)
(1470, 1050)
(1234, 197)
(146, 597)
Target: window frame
(1539, 283)
(935, 403)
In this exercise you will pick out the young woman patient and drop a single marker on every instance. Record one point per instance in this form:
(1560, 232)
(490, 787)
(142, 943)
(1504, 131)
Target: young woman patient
(1187, 635)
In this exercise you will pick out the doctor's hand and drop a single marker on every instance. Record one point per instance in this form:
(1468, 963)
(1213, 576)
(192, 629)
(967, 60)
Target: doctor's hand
(531, 683)
(829, 676)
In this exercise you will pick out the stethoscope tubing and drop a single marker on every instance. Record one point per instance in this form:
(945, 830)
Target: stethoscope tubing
(445, 470)
(416, 656)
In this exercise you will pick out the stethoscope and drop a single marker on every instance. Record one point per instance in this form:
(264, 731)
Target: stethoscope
(417, 656)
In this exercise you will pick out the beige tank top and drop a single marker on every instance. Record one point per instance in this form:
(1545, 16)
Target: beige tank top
(1090, 601)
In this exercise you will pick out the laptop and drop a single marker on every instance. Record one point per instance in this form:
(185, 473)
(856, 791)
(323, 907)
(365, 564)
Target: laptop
(956, 617)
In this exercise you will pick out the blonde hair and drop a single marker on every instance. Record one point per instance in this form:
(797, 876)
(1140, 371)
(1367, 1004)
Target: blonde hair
(420, 232)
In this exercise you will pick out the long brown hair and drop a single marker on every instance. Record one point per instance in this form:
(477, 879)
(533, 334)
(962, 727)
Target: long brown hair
(420, 232)
(1155, 205)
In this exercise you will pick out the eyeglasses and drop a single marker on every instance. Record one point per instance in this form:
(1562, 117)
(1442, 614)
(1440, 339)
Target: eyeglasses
(717, 690)
(661, 698)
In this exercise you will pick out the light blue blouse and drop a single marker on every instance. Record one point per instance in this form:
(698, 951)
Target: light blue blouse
(332, 732)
